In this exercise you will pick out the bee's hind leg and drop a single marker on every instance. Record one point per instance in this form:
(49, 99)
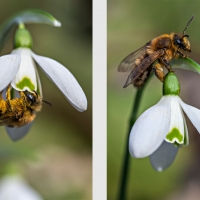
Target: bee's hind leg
(158, 70)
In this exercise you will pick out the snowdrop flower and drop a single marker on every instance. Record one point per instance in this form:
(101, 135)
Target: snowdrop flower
(161, 129)
(25, 76)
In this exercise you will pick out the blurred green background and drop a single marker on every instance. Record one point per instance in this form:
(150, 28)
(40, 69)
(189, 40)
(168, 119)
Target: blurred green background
(131, 24)
(55, 156)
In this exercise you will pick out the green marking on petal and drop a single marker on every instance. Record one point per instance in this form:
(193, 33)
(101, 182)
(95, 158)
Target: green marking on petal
(175, 136)
(26, 82)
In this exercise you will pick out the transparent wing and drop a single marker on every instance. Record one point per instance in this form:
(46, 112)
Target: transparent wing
(143, 66)
(6, 119)
(128, 63)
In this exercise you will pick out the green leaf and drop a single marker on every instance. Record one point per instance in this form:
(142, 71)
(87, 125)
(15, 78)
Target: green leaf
(186, 63)
(26, 16)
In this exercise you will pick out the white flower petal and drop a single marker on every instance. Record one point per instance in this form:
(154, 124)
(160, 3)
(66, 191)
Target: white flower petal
(39, 86)
(164, 156)
(13, 187)
(176, 130)
(186, 136)
(18, 133)
(150, 129)
(9, 65)
(25, 78)
(192, 113)
(65, 81)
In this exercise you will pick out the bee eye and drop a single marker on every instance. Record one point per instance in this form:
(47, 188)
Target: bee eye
(178, 41)
(30, 97)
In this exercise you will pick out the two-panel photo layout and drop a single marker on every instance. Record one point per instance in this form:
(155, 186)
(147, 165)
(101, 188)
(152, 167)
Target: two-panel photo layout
(153, 100)
(47, 100)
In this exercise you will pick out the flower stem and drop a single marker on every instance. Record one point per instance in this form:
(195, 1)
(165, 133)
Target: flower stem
(125, 169)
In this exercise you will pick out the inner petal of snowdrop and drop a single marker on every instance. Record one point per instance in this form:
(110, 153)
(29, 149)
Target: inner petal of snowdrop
(26, 76)
(176, 129)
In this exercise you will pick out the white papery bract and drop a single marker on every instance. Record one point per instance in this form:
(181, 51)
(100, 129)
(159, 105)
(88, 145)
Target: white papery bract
(27, 77)
(161, 129)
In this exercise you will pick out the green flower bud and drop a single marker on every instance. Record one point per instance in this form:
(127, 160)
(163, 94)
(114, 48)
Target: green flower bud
(171, 85)
(22, 38)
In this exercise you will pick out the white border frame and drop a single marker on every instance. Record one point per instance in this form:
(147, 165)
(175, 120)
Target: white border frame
(99, 174)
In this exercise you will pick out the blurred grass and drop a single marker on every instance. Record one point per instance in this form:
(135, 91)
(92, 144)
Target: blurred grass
(131, 24)
(56, 155)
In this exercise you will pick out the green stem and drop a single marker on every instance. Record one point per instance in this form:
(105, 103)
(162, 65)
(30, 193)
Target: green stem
(125, 169)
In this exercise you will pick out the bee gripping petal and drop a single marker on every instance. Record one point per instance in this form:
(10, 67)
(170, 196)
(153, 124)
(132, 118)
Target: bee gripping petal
(64, 80)
(9, 65)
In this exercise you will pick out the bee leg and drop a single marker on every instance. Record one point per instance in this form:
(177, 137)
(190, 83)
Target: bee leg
(166, 64)
(8, 97)
(181, 54)
(22, 95)
(1, 104)
(158, 70)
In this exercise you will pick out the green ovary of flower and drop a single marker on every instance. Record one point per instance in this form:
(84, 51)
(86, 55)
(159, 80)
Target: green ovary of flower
(26, 82)
(22, 38)
(171, 85)
(175, 135)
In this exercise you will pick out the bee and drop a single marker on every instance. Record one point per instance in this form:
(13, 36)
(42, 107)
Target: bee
(20, 111)
(155, 55)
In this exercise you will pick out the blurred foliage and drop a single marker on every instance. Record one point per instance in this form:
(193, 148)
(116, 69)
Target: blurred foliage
(55, 156)
(131, 24)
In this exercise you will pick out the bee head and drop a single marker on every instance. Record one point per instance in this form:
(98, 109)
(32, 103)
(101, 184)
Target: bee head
(33, 100)
(181, 41)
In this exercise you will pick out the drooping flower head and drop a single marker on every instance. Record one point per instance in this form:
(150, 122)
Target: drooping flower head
(27, 77)
(20, 71)
(162, 129)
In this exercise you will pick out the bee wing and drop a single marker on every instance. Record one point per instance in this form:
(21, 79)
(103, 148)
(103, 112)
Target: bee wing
(6, 119)
(128, 63)
(143, 66)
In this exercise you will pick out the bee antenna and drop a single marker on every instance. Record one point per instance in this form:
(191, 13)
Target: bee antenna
(185, 36)
(188, 25)
(47, 102)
